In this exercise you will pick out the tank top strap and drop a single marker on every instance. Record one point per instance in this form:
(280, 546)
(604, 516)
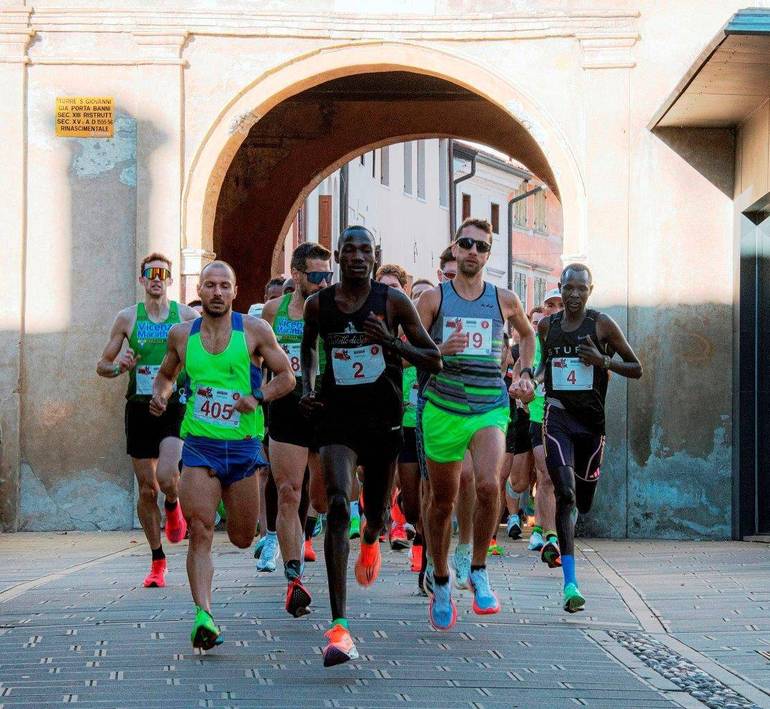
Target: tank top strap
(196, 326)
(141, 311)
(237, 321)
(173, 310)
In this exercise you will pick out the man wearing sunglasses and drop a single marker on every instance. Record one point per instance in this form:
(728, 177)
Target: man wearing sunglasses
(291, 440)
(153, 443)
(467, 408)
(360, 406)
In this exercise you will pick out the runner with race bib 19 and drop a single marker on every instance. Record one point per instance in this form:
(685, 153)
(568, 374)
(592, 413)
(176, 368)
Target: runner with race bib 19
(577, 346)
(223, 425)
(361, 408)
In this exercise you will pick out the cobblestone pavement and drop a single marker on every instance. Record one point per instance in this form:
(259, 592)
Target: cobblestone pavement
(76, 627)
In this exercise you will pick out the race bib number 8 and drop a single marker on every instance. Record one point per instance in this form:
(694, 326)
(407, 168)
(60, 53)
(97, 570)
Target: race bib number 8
(292, 352)
(145, 376)
(217, 407)
(359, 365)
(477, 331)
(570, 374)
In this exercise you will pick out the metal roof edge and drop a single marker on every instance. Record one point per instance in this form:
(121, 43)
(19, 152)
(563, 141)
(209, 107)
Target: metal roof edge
(751, 20)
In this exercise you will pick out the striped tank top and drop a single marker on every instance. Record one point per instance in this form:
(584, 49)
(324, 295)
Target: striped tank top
(471, 382)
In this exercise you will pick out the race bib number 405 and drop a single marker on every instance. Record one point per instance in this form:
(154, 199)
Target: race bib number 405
(217, 407)
(570, 374)
(357, 365)
(477, 331)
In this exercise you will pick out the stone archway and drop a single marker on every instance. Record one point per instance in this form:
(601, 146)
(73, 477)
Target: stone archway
(299, 121)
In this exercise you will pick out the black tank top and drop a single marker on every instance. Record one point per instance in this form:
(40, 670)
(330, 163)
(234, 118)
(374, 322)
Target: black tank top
(362, 380)
(580, 390)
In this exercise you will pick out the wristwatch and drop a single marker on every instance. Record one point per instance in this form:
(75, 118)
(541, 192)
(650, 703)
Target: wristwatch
(528, 370)
(606, 361)
(258, 394)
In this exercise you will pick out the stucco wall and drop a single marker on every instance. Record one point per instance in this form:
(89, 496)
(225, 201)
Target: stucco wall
(657, 232)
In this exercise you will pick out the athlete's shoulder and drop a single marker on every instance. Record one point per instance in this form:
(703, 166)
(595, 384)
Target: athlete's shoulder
(271, 307)
(186, 312)
(180, 331)
(125, 318)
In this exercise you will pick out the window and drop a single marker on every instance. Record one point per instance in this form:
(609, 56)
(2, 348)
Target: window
(408, 168)
(540, 224)
(385, 165)
(494, 218)
(466, 206)
(443, 173)
(520, 287)
(421, 169)
(539, 291)
(520, 208)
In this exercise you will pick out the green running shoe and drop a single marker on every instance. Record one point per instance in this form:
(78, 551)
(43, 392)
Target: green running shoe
(355, 527)
(573, 599)
(205, 633)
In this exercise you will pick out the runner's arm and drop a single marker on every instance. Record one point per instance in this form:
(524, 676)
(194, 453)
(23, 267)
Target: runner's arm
(608, 331)
(163, 384)
(419, 349)
(518, 318)
(542, 334)
(273, 357)
(109, 366)
(308, 353)
(270, 309)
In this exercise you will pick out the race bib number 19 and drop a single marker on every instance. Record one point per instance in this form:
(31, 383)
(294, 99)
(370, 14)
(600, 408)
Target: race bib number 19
(477, 331)
(570, 374)
(358, 365)
(217, 407)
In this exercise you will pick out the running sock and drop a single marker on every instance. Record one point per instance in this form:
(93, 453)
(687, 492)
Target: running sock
(537, 528)
(418, 541)
(170, 505)
(310, 527)
(340, 621)
(463, 549)
(271, 534)
(550, 534)
(292, 570)
(354, 509)
(440, 580)
(157, 554)
(568, 569)
(478, 568)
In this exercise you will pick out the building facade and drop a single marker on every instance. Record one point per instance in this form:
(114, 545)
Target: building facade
(224, 118)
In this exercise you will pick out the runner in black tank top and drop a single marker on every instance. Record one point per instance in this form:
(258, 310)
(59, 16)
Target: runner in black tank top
(577, 345)
(359, 408)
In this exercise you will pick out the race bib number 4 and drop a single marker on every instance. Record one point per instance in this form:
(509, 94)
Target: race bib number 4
(570, 374)
(217, 407)
(358, 365)
(145, 376)
(477, 331)
(292, 352)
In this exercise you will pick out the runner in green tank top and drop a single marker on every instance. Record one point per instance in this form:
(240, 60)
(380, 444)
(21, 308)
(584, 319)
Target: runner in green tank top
(292, 447)
(153, 444)
(223, 426)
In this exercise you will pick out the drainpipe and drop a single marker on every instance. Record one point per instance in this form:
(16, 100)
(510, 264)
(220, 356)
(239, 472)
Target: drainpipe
(453, 185)
(343, 206)
(511, 202)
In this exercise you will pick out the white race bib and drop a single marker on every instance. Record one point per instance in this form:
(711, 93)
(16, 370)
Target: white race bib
(413, 394)
(292, 352)
(570, 374)
(358, 365)
(477, 331)
(217, 406)
(145, 376)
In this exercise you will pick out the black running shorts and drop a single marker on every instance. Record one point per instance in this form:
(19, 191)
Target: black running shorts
(569, 443)
(409, 451)
(144, 432)
(517, 438)
(376, 442)
(288, 425)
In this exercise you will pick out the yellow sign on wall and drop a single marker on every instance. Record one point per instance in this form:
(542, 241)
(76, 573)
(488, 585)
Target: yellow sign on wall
(85, 117)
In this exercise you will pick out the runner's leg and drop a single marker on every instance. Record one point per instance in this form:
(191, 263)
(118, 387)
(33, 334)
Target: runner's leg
(147, 505)
(444, 486)
(241, 500)
(288, 468)
(545, 500)
(487, 449)
(465, 506)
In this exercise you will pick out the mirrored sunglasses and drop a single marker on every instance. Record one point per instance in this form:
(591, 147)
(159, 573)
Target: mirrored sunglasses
(156, 272)
(318, 277)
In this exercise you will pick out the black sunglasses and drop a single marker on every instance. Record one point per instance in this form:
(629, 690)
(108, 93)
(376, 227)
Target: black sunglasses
(465, 242)
(318, 277)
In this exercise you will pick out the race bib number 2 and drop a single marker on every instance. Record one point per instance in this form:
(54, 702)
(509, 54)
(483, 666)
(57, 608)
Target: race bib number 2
(477, 331)
(357, 365)
(570, 374)
(217, 407)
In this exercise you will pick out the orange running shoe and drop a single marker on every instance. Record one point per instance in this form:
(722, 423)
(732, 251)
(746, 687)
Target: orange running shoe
(157, 576)
(340, 648)
(398, 538)
(416, 558)
(297, 599)
(308, 550)
(176, 526)
(368, 563)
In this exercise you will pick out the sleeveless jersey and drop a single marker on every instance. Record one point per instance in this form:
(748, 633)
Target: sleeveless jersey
(288, 332)
(148, 341)
(537, 405)
(579, 388)
(471, 382)
(362, 379)
(217, 381)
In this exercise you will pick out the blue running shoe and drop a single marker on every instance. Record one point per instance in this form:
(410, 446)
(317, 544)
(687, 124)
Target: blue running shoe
(461, 561)
(266, 561)
(442, 610)
(514, 526)
(536, 541)
(484, 599)
(258, 547)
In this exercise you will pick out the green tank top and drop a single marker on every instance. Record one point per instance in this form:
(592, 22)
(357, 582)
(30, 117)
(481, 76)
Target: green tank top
(288, 332)
(537, 405)
(410, 397)
(148, 341)
(217, 381)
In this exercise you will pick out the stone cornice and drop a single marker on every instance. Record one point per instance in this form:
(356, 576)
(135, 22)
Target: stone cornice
(608, 51)
(15, 34)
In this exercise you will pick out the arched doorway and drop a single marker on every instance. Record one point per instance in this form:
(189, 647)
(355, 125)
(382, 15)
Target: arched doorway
(300, 122)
